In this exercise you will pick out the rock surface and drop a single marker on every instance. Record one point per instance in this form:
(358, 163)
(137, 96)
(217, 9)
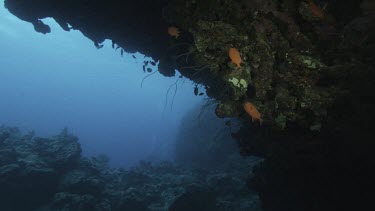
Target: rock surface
(34, 177)
(307, 66)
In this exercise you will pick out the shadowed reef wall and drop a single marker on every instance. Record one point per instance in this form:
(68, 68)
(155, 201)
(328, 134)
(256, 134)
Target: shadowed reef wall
(307, 66)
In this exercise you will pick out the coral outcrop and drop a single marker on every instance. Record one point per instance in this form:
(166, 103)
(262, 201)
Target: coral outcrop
(306, 65)
(49, 174)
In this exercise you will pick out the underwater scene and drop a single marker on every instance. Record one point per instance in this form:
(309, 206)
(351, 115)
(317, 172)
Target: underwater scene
(186, 105)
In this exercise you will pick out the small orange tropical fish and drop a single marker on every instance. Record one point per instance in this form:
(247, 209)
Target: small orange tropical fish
(253, 112)
(316, 10)
(173, 31)
(234, 55)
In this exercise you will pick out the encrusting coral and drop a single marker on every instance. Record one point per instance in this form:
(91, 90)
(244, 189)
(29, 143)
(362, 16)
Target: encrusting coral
(51, 173)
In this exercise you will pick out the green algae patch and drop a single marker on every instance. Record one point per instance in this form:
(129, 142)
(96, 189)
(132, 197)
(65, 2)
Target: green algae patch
(310, 62)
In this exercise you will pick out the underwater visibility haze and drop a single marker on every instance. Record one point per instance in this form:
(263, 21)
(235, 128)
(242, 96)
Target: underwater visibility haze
(86, 124)
(185, 105)
(49, 82)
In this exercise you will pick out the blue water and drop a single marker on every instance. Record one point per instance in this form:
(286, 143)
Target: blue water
(57, 80)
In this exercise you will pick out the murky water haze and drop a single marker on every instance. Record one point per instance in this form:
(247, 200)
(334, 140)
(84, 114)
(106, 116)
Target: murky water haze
(57, 80)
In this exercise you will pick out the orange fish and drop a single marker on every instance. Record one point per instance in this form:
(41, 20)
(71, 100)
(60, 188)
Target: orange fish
(234, 55)
(253, 112)
(316, 10)
(173, 31)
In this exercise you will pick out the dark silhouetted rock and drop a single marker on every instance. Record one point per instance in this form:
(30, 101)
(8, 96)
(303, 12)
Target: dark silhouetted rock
(61, 151)
(195, 198)
(3, 135)
(131, 203)
(7, 156)
(81, 182)
(48, 174)
(64, 201)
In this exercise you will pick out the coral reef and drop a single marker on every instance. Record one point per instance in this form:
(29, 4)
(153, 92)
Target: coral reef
(50, 174)
(306, 65)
